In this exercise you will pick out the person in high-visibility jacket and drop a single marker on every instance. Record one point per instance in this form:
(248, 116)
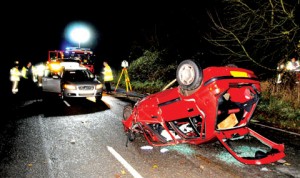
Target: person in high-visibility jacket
(40, 73)
(15, 76)
(29, 78)
(107, 77)
(29, 72)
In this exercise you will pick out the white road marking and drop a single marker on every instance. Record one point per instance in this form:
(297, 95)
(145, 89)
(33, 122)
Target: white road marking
(294, 133)
(133, 172)
(67, 103)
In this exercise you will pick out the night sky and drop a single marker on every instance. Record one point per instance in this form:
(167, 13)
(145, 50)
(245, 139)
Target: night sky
(32, 30)
(31, 34)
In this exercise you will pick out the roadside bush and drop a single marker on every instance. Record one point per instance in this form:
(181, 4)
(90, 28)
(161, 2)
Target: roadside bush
(279, 105)
(148, 87)
(149, 73)
(151, 68)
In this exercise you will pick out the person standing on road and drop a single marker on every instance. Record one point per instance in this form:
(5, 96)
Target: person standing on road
(28, 73)
(107, 76)
(15, 76)
(40, 69)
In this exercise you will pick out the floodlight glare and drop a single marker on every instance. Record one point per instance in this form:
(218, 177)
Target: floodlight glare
(79, 32)
(80, 35)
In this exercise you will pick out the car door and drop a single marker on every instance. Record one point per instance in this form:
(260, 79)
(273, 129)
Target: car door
(51, 83)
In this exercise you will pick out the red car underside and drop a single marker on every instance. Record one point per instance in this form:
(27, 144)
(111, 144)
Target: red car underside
(220, 109)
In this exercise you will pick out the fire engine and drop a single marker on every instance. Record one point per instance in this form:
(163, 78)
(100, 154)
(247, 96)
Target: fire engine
(84, 56)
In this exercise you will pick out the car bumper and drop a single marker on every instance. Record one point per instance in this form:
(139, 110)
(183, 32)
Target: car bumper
(76, 93)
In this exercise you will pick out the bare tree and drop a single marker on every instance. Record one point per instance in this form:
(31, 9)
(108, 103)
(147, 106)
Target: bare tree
(257, 33)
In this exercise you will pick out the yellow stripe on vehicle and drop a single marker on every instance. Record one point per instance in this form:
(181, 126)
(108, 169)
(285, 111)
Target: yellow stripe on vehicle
(238, 74)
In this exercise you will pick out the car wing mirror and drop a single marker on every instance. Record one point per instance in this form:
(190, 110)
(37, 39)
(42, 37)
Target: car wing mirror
(97, 77)
(56, 76)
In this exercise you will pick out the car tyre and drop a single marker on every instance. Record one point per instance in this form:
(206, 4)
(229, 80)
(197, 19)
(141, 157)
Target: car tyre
(98, 99)
(62, 96)
(189, 75)
(45, 97)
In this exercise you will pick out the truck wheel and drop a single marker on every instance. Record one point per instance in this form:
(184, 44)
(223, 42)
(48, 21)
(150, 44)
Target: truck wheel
(189, 75)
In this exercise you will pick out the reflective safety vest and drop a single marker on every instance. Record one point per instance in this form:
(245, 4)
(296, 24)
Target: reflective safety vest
(108, 75)
(40, 70)
(15, 74)
(26, 72)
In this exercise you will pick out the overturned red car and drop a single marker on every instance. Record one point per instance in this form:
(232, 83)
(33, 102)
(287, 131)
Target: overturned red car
(215, 103)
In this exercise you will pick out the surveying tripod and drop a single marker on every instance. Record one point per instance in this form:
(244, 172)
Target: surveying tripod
(127, 81)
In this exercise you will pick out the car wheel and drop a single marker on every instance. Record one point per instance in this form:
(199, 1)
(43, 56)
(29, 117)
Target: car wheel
(127, 111)
(98, 99)
(189, 74)
(62, 97)
(45, 97)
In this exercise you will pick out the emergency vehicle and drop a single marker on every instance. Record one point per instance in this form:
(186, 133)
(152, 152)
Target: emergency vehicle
(84, 56)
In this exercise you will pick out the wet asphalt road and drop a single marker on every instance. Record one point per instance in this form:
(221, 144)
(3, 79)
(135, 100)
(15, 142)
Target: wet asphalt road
(83, 139)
